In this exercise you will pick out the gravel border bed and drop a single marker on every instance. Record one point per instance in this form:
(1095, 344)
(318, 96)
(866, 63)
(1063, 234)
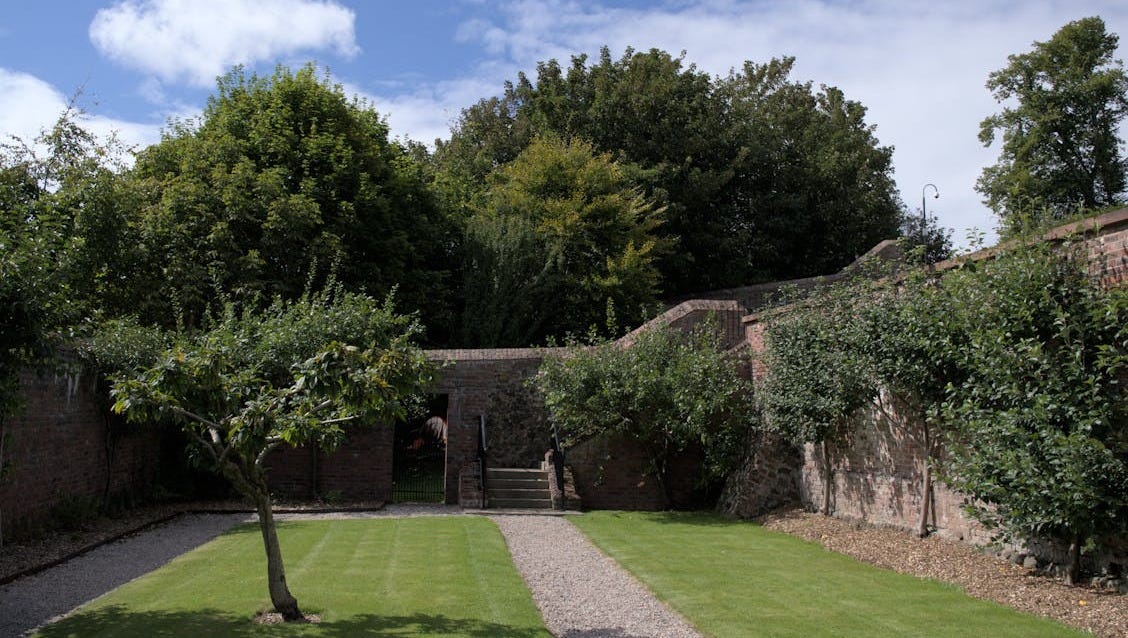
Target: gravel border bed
(581, 593)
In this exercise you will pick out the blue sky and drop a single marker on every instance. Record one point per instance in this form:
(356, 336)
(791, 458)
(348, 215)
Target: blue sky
(919, 67)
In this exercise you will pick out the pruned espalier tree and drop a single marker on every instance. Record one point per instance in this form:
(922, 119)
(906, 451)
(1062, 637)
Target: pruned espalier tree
(293, 374)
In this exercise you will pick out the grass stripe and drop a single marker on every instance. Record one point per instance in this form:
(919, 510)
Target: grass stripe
(732, 578)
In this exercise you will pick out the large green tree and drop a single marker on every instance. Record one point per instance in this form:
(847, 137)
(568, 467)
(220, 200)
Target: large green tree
(282, 173)
(293, 374)
(1060, 146)
(669, 391)
(762, 177)
(559, 234)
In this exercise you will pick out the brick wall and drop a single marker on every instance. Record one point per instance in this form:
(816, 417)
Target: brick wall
(359, 469)
(768, 477)
(612, 473)
(877, 475)
(56, 450)
(491, 383)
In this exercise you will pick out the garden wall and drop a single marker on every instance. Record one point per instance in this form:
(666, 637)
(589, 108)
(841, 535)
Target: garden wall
(359, 470)
(62, 457)
(876, 477)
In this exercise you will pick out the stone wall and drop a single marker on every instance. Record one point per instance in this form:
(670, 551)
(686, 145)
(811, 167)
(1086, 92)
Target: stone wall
(62, 449)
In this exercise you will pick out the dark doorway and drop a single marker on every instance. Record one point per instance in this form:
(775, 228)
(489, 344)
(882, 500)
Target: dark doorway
(419, 458)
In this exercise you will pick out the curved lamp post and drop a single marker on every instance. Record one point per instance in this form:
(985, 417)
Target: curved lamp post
(923, 201)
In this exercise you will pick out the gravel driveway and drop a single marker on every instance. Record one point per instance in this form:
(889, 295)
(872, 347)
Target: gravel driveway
(581, 592)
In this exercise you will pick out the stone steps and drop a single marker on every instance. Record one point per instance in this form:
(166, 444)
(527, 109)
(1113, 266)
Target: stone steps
(517, 488)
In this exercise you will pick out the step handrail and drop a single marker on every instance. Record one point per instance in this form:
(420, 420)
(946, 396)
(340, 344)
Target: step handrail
(482, 449)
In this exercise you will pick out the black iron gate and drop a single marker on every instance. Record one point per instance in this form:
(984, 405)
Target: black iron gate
(419, 458)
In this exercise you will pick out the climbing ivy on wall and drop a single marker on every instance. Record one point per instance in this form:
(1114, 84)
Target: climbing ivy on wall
(817, 377)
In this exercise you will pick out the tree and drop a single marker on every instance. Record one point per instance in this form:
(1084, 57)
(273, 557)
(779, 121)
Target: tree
(1041, 438)
(817, 377)
(668, 390)
(1060, 150)
(811, 188)
(293, 374)
(282, 174)
(924, 240)
(64, 211)
(560, 233)
(910, 344)
(763, 178)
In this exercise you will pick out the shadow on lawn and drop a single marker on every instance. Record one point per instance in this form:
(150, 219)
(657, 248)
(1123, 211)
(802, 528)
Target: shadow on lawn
(118, 621)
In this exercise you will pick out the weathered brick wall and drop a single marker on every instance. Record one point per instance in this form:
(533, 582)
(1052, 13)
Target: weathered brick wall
(359, 469)
(768, 477)
(491, 383)
(725, 314)
(877, 479)
(613, 473)
(877, 475)
(56, 451)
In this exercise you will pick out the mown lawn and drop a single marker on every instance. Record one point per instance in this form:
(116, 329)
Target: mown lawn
(433, 576)
(736, 579)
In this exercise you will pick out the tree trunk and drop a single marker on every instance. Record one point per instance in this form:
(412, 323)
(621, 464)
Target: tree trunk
(926, 487)
(1073, 572)
(828, 478)
(280, 596)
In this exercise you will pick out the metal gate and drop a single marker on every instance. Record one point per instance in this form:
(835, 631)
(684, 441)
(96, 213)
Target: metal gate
(419, 458)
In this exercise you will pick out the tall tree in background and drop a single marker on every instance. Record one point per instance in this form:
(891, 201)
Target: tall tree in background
(1060, 150)
(762, 178)
(811, 187)
(559, 235)
(283, 172)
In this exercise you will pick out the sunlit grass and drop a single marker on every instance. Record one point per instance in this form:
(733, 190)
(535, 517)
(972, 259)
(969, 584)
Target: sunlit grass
(732, 578)
(427, 576)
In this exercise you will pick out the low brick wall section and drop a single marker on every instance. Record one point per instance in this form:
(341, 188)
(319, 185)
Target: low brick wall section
(359, 469)
(62, 448)
(612, 473)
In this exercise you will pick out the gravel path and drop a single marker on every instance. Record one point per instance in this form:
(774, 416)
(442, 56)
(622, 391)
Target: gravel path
(32, 601)
(581, 592)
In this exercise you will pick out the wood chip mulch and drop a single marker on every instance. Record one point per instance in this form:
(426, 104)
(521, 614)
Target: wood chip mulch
(1099, 611)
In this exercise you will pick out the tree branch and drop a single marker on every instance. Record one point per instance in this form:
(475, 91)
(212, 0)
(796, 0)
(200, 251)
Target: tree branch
(212, 425)
(272, 443)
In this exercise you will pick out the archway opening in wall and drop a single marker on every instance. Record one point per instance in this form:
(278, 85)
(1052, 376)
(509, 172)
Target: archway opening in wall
(419, 455)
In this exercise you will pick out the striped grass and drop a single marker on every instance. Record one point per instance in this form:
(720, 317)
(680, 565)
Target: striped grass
(732, 578)
(425, 576)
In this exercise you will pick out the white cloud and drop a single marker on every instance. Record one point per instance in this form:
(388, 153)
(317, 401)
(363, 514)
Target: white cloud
(29, 105)
(198, 40)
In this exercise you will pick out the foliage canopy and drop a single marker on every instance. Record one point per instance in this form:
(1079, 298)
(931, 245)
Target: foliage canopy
(1060, 146)
(670, 391)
